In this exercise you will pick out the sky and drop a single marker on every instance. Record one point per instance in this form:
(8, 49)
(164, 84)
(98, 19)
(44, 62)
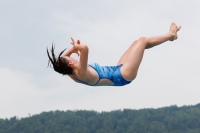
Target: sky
(168, 75)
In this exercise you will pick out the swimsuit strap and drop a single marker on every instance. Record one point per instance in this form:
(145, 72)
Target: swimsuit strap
(81, 81)
(86, 82)
(97, 72)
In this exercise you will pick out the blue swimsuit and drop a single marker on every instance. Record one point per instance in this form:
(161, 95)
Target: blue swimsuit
(108, 72)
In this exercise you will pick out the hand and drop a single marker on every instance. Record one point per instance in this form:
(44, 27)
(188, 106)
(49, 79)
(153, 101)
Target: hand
(75, 43)
(75, 51)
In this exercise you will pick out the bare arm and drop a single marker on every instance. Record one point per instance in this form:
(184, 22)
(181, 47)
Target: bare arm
(83, 49)
(70, 51)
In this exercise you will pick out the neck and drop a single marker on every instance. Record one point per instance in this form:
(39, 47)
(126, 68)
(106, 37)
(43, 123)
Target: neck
(75, 71)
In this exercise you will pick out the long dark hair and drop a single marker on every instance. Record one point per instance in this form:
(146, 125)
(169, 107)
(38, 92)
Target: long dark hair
(60, 64)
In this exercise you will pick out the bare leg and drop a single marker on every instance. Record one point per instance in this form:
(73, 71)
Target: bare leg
(154, 41)
(133, 56)
(170, 36)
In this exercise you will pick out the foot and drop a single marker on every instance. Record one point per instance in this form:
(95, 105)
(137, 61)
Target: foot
(173, 31)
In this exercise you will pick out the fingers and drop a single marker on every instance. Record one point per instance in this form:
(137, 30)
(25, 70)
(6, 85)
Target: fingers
(77, 53)
(78, 41)
(179, 27)
(75, 42)
(72, 41)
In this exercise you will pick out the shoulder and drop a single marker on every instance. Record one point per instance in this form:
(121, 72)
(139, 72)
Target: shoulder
(83, 73)
(89, 76)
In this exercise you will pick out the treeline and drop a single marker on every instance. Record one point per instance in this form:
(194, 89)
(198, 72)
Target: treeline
(171, 119)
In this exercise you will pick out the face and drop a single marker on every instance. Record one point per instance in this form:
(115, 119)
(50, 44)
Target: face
(71, 60)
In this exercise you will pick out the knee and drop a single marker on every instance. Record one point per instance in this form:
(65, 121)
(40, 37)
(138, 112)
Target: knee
(142, 39)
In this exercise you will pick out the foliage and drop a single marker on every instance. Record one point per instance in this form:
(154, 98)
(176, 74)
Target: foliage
(171, 119)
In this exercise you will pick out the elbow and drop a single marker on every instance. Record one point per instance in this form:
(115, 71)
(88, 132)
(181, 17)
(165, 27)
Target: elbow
(85, 47)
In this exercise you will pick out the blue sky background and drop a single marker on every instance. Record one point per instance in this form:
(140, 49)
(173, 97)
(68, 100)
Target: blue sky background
(169, 74)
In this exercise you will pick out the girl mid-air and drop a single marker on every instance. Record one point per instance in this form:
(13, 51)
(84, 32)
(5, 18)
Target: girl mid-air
(95, 75)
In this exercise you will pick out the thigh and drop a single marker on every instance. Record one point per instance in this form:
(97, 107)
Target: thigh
(133, 59)
(124, 57)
